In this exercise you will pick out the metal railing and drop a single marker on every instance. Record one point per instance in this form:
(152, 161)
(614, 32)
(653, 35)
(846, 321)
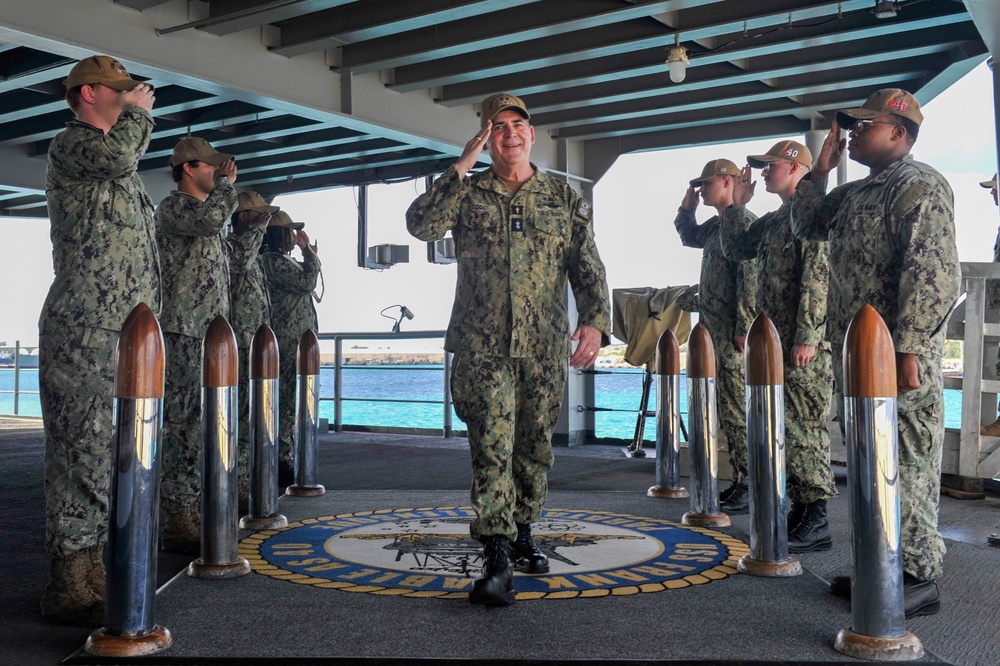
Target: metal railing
(16, 369)
(338, 380)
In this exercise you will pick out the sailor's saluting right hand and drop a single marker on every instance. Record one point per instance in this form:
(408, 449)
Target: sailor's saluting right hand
(690, 200)
(141, 96)
(472, 150)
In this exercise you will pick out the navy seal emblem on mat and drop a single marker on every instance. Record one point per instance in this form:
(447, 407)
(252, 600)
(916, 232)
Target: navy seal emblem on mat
(427, 552)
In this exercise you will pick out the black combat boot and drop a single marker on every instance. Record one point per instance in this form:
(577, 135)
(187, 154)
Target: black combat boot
(795, 516)
(813, 531)
(496, 586)
(528, 558)
(920, 597)
(736, 500)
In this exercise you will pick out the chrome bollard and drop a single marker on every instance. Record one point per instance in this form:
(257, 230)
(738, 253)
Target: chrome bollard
(263, 434)
(668, 418)
(766, 455)
(878, 622)
(307, 420)
(703, 448)
(133, 517)
(219, 519)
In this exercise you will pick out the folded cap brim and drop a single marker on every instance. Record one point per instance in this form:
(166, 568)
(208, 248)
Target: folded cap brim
(761, 161)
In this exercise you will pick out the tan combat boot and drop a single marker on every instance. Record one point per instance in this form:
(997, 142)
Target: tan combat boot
(182, 532)
(75, 591)
(991, 430)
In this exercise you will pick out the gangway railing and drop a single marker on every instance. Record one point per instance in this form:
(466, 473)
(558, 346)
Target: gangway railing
(15, 368)
(966, 452)
(338, 367)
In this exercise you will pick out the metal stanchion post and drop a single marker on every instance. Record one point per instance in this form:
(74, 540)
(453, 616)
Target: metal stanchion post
(219, 518)
(263, 434)
(635, 450)
(668, 418)
(878, 621)
(765, 406)
(307, 419)
(702, 449)
(133, 516)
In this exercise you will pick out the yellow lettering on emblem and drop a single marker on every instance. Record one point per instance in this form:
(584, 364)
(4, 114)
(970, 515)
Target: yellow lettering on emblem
(627, 575)
(558, 582)
(416, 581)
(452, 583)
(594, 579)
(302, 563)
(327, 567)
(361, 573)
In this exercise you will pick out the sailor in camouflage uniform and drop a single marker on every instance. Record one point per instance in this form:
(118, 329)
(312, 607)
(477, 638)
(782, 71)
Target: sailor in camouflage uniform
(291, 285)
(250, 306)
(727, 306)
(792, 285)
(519, 235)
(189, 226)
(105, 263)
(892, 245)
(993, 301)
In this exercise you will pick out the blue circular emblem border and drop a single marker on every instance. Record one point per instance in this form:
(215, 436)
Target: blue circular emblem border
(686, 556)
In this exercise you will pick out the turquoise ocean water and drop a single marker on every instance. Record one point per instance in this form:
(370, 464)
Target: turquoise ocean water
(371, 393)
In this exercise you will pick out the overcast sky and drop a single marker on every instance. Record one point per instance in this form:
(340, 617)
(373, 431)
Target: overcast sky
(635, 204)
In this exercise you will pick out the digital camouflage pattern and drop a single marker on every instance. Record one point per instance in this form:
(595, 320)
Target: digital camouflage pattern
(514, 256)
(510, 406)
(892, 244)
(103, 250)
(291, 284)
(727, 304)
(181, 439)
(250, 306)
(509, 326)
(195, 291)
(105, 263)
(792, 287)
(194, 260)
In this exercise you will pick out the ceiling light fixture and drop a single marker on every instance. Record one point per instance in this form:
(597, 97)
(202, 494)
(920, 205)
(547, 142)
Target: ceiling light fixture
(886, 9)
(677, 60)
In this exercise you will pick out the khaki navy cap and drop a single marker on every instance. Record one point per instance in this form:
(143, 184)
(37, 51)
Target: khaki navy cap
(252, 201)
(195, 148)
(100, 69)
(494, 104)
(283, 219)
(792, 151)
(719, 167)
(893, 101)
(990, 183)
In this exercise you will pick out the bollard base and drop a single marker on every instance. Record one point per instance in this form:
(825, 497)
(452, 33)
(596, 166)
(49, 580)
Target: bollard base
(705, 519)
(103, 644)
(200, 569)
(663, 492)
(784, 569)
(275, 521)
(305, 491)
(875, 648)
(635, 453)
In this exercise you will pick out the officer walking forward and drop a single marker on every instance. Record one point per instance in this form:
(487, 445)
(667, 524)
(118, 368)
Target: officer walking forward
(519, 234)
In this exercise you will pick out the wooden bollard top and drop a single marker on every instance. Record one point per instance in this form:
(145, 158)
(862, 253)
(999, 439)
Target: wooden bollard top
(701, 353)
(264, 354)
(140, 366)
(220, 355)
(869, 357)
(763, 360)
(668, 354)
(308, 360)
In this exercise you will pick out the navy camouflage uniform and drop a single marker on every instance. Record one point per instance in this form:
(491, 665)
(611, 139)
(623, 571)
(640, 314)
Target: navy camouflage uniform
(792, 288)
(892, 245)
(509, 326)
(195, 291)
(290, 284)
(727, 306)
(105, 262)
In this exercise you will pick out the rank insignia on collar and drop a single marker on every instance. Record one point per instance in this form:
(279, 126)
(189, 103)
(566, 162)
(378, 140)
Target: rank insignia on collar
(584, 209)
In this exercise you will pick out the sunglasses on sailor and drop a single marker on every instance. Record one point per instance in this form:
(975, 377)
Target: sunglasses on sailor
(859, 126)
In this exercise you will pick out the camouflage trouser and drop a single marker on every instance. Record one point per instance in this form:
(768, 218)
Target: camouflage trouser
(807, 437)
(920, 415)
(243, 406)
(287, 386)
(180, 482)
(510, 406)
(76, 386)
(730, 398)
